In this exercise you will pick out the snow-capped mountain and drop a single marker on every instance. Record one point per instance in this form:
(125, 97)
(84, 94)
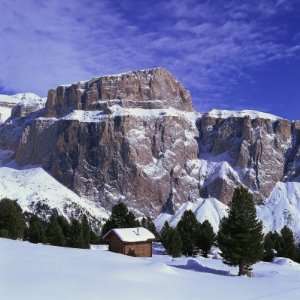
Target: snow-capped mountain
(134, 137)
(27, 102)
(281, 208)
(38, 192)
(209, 209)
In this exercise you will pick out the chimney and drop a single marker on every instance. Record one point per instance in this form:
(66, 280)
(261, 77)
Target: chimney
(138, 231)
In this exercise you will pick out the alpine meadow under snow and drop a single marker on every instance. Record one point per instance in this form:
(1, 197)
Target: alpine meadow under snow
(35, 272)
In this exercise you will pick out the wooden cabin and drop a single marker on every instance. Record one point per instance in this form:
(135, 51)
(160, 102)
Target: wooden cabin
(130, 241)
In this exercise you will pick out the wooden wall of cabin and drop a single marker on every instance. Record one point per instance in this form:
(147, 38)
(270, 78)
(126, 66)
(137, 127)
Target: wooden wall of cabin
(138, 249)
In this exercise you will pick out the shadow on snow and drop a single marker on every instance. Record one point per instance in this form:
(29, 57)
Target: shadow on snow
(196, 266)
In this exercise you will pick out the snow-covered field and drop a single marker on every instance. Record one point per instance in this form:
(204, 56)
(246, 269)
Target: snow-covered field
(35, 272)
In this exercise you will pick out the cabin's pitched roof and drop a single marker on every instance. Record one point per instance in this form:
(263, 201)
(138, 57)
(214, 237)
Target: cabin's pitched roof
(131, 235)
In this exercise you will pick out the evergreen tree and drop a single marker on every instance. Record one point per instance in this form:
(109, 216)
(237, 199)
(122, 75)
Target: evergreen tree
(120, 218)
(289, 248)
(174, 243)
(205, 237)
(278, 243)
(76, 235)
(12, 221)
(65, 226)
(107, 226)
(95, 238)
(36, 230)
(148, 223)
(86, 232)
(54, 233)
(131, 221)
(240, 236)
(187, 228)
(164, 235)
(269, 247)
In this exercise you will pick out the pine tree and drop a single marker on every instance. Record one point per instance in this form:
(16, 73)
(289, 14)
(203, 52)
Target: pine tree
(205, 237)
(269, 247)
(76, 235)
(174, 244)
(120, 218)
(86, 232)
(187, 228)
(131, 221)
(36, 230)
(148, 223)
(240, 236)
(54, 233)
(289, 248)
(65, 226)
(12, 221)
(278, 243)
(164, 233)
(95, 238)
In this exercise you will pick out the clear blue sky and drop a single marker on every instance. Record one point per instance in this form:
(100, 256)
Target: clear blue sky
(229, 54)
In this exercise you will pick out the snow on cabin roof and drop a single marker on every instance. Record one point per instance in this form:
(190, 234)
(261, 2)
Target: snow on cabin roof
(131, 235)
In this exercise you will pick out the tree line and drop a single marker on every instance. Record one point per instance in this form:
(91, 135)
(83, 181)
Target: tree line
(189, 237)
(57, 230)
(121, 217)
(240, 237)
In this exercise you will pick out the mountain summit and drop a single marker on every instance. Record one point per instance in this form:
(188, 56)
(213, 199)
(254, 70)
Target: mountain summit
(148, 89)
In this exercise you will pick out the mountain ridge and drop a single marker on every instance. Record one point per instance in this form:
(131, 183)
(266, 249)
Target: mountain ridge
(124, 138)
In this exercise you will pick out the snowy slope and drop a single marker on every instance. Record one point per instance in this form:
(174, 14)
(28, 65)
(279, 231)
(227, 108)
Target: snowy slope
(23, 98)
(33, 186)
(282, 208)
(36, 272)
(204, 209)
(7, 102)
(252, 114)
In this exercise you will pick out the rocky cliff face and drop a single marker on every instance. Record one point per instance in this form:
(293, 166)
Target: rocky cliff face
(131, 142)
(260, 151)
(135, 137)
(148, 89)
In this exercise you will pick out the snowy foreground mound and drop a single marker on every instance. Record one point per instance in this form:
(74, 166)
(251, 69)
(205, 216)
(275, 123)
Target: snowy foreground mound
(281, 208)
(35, 272)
